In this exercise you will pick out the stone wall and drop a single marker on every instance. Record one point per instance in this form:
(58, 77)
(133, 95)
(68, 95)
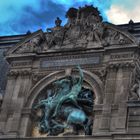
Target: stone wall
(109, 79)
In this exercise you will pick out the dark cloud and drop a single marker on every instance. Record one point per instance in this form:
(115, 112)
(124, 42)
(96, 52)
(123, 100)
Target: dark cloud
(33, 16)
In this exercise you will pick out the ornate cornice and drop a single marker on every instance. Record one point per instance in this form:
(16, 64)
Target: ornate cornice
(118, 65)
(19, 72)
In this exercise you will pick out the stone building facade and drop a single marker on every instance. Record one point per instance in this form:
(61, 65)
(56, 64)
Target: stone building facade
(109, 57)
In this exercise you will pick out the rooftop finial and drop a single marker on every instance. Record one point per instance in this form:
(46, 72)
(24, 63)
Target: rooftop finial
(130, 25)
(28, 32)
(131, 21)
(58, 22)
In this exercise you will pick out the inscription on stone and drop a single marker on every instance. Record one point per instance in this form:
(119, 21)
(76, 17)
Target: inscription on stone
(121, 56)
(46, 63)
(21, 64)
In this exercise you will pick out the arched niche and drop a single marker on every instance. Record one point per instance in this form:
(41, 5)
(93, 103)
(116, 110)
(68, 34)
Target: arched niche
(91, 79)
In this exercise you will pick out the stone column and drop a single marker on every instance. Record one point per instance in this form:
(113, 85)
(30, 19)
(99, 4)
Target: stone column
(16, 106)
(121, 95)
(6, 106)
(17, 88)
(108, 98)
(97, 119)
(23, 84)
(25, 125)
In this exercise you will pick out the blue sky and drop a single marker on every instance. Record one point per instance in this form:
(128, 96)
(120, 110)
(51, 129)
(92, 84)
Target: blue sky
(19, 16)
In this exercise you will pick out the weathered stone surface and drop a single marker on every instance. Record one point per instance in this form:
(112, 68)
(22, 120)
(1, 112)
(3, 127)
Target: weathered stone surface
(70, 62)
(3, 71)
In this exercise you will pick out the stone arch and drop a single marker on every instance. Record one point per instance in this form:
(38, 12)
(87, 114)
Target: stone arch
(92, 79)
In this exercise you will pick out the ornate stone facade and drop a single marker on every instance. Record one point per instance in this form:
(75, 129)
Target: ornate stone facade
(109, 59)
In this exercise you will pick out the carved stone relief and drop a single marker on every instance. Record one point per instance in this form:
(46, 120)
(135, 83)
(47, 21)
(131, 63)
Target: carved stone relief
(134, 93)
(31, 46)
(85, 29)
(114, 37)
(86, 32)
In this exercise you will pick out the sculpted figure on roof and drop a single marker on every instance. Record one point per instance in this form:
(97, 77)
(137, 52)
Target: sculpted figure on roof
(85, 28)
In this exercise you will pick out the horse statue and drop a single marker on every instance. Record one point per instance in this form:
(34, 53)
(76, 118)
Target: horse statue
(64, 109)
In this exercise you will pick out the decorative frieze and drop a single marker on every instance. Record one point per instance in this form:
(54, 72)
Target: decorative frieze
(19, 72)
(121, 65)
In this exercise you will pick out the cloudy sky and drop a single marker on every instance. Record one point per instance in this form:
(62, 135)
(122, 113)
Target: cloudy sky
(19, 16)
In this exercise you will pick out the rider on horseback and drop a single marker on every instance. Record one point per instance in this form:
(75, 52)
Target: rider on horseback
(73, 94)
